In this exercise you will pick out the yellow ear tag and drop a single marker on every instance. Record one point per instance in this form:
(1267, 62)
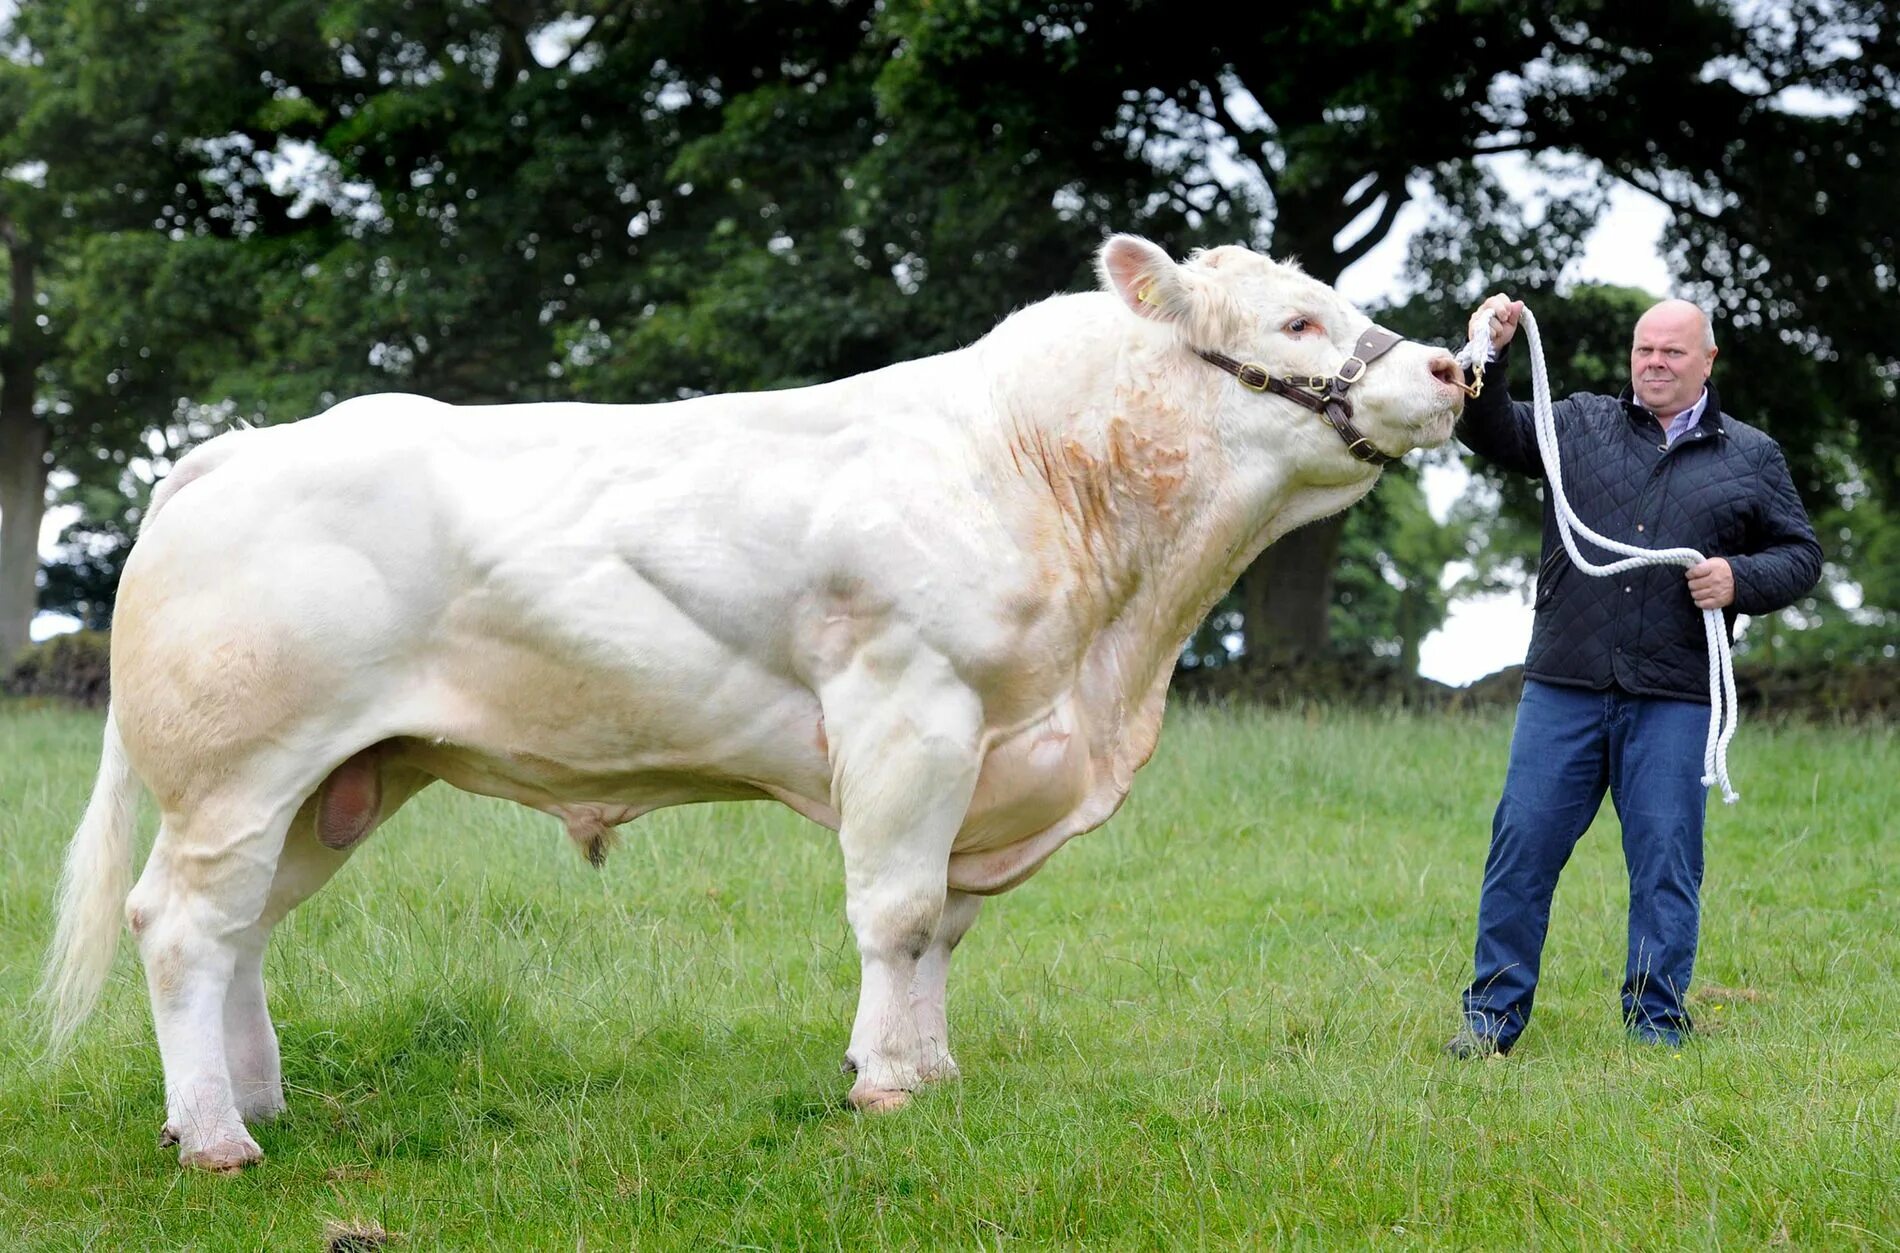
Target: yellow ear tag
(1145, 293)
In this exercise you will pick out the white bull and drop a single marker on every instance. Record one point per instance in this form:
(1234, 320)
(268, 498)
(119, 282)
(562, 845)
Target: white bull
(934, 607)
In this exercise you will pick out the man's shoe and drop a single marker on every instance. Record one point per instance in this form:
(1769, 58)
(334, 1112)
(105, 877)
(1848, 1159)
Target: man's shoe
(1470, 1045)
(1657, 1037)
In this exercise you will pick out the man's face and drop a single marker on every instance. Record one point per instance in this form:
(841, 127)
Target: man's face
(1668, 363)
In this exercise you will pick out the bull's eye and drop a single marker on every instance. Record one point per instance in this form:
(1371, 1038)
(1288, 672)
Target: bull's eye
(1298, 326)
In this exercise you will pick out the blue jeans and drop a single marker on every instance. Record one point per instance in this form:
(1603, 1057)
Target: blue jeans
(1571, 744)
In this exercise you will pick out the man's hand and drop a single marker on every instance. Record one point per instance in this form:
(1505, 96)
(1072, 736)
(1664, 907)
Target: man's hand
(1504, 325)
(1712, 584)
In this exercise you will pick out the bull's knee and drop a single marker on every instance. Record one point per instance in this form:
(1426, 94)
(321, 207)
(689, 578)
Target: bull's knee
(149, 921)
(167, 951)
(897, 927)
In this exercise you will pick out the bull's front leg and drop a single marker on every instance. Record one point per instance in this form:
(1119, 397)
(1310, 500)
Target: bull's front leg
(928, 992)
(905, 754)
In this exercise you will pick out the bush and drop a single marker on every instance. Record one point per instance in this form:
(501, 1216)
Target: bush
(1855, 691)
(1815, 690)
(75, 667)
(1341, 680)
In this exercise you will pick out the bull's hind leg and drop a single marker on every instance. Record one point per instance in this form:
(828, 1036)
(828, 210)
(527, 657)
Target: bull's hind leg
(904, 764)
(250, 1040)
(330, 826)
(202, 891)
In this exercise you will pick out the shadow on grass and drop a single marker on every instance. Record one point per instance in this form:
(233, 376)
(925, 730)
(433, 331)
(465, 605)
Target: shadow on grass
(430, 1073)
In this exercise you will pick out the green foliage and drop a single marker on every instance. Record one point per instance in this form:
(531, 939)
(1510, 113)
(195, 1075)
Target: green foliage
(1854, 617)
(1389, 592)
(254, 209)
(84, 581)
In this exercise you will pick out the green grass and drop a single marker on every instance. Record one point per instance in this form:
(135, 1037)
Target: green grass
(1214, 1021)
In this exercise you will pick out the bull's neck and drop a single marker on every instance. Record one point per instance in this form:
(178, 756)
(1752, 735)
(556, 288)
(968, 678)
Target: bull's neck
(1200, 560)
(1153, 518)
(1108, 459)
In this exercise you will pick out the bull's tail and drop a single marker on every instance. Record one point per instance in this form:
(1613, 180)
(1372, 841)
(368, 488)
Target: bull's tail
(92, 892)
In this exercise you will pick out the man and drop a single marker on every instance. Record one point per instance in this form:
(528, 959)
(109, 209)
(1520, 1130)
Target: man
(1616, 683)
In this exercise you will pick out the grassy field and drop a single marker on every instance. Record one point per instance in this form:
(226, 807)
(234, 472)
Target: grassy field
(1216, 1021)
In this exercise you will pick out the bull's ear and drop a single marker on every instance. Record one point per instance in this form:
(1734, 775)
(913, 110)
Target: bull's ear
(1145, 277)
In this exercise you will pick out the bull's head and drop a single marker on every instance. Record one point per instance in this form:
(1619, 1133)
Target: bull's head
(1325, 377)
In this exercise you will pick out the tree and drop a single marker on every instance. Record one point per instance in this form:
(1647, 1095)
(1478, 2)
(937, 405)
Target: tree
(618, 201)
(117, 309)
(1307, 121)
(84, 583)
(23, 437)
(1388, 594)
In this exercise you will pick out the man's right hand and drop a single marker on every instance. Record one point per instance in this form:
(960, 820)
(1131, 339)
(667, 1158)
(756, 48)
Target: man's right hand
(1507, 312)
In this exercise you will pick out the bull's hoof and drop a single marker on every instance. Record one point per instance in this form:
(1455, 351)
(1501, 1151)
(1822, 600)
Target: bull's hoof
(870, 1100)
(225, 1157)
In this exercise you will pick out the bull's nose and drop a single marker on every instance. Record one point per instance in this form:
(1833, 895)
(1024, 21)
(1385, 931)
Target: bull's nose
(1446, 370)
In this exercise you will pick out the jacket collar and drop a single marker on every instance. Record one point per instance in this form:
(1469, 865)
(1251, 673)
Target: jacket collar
(1711, 420)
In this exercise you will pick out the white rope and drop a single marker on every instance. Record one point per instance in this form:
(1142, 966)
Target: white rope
(1724, 710)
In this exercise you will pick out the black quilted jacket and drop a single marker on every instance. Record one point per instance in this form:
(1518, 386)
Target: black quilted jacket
(1723, 490)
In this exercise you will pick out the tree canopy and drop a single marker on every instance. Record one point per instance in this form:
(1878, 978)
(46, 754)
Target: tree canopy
(250, 210)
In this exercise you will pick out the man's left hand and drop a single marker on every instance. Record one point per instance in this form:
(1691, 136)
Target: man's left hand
(1712, 584)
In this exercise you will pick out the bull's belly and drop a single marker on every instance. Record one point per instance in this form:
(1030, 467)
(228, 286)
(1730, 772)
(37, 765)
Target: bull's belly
(596, 744)
(611, 756)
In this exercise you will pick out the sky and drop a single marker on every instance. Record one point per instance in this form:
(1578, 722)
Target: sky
(1481, 634)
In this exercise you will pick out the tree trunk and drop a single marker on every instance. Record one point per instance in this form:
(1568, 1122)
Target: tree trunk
(1287, 593)
(23, 443)
(22, 506)
(1412, 607)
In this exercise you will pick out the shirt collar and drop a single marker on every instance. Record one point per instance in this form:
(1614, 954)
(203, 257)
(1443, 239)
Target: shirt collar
(1675, 428)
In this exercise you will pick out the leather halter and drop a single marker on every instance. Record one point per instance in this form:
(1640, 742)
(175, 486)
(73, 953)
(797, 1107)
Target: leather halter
(1324, 394)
